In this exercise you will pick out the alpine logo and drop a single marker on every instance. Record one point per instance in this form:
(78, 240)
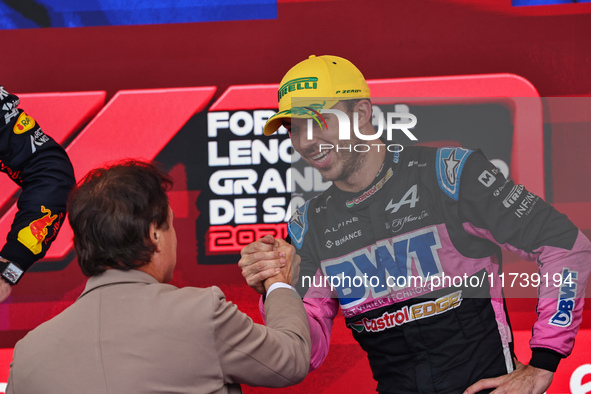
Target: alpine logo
(342, 224)
(410, 197)
(407, 314)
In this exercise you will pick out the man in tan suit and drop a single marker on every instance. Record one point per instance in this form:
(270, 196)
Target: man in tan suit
(129, 332)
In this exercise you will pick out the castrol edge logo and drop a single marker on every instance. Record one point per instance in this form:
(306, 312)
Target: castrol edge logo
(409, 313)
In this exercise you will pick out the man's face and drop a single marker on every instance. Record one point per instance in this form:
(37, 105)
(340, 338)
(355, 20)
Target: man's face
(333, 165)
(168, 247)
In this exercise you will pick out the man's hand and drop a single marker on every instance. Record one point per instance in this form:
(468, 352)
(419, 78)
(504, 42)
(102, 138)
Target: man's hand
(5, 290)
(290, 265)
(262, 260)
(525, 379)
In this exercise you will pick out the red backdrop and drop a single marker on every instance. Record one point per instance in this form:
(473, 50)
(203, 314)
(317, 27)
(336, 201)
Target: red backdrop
(548, 46)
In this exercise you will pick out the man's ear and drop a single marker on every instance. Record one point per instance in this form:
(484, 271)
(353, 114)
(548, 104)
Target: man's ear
(155, 235)
(364, 111)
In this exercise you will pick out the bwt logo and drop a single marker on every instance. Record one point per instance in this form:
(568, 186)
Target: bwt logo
(415, 253)
(402, 121)
(566, 299)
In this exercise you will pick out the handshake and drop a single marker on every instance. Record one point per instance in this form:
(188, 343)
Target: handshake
(269, 261)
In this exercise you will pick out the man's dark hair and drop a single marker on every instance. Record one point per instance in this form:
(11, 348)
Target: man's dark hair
(110, 211)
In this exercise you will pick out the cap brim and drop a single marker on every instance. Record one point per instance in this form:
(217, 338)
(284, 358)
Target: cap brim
(275, 121)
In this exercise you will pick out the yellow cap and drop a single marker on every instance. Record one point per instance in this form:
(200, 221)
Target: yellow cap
(316, 83)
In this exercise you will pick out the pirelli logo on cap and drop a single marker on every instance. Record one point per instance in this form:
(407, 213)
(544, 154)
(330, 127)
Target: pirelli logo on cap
(298, 84)
(23, 124)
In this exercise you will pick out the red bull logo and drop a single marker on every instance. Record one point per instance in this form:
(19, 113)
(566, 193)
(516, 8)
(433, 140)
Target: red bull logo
(34, 234)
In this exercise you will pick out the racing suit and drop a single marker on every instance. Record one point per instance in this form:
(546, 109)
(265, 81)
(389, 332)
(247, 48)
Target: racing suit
(41, 167)
(382, 255)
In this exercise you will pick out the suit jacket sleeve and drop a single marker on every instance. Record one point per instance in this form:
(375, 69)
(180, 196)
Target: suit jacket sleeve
(275, 355)
(41, 167)
(321, 307)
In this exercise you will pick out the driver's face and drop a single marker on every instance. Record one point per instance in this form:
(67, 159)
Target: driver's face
(319, 149)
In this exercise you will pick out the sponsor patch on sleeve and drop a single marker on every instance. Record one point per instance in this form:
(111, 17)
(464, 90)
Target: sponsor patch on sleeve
(566, 299)
(23, 124)
(34, 234)
(450, 163)
(298, 225)
(486, 178)
(10, 110)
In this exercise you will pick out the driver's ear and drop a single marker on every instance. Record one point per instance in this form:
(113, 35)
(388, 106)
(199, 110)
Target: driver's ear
(364, 110)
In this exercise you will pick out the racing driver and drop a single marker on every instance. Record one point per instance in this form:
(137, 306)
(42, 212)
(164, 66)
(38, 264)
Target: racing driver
(426, 213)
